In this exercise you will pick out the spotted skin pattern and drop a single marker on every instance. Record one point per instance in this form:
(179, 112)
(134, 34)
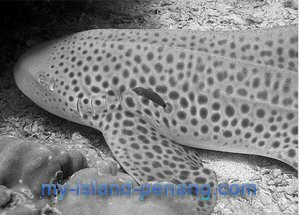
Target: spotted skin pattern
(227, 91)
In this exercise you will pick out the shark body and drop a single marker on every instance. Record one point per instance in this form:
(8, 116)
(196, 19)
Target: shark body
(157, 95)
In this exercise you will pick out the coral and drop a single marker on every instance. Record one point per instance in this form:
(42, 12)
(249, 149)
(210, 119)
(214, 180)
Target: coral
(26, 165)
(16, 203)
(119, 204)
(5, 195)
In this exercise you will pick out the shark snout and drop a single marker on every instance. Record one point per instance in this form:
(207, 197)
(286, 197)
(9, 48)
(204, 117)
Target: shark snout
(30, 66)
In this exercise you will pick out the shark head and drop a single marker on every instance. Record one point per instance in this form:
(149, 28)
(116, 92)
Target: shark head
(32, 76)
(49, 78)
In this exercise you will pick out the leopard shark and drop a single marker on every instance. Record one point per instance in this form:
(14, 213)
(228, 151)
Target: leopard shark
(158, 95)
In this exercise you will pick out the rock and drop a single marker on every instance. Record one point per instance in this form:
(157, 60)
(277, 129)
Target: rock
(276, 172)
(236, 19)
(49, 210)
(274, 196)
(282, 204)
(223, 8)
(120, 204)
(253, 19)
(292, 190)
(266, 200)
(5, 195)
(284, 183)
(291, 4)
(264, 171)
(255, 177)
(194, 26)
(77, 137)
(271, 182)
(212, 12)
(195, 8)
(292, 198)
(173, 8)
(272, 188)
(19, 204)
